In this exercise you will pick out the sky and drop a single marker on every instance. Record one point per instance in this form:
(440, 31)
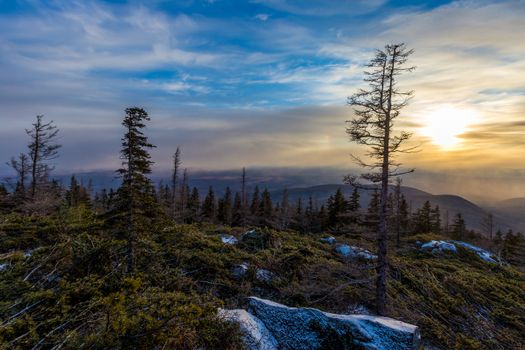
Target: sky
(264, 83)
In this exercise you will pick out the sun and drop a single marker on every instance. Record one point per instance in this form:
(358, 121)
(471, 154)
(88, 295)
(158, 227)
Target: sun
(445, 124)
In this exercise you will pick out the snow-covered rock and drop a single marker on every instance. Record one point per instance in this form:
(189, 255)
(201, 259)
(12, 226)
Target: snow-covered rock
(330, 240)
(229, 239)
(482, 253)
(255, 334)
(311, 329)
(353, 252)
(239, 271)
(264, 275)
(439, 246)
(451, 246)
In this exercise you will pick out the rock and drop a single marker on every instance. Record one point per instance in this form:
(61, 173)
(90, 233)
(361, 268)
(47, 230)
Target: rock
(4, 266)
(482, 253)
(330, 240)
(451, 246)
(290, 328)
(229, 239)
(353, 252)
(255, 334)
(264, 275)
(239, 271)
(439, 247)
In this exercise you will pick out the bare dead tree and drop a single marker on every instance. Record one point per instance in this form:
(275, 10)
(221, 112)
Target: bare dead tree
(42, 149)
(22, 167)
(174, 180)
(244, 199)
(376, 109)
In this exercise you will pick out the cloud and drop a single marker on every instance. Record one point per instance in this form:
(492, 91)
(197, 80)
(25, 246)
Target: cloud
(262, 17)
(322, 8)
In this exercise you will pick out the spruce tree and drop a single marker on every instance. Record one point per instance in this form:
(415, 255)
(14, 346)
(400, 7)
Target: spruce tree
(135, 199)
(209, 206)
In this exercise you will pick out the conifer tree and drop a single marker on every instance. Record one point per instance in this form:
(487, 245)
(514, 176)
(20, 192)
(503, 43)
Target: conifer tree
(135, 199)
(193, 205)
(224, 211)
(209, 206)
(337, 206)
(284, 210)
(265, 206)
(376, 110)
(237, 210)
(254, 207)
(458, 227)
(353, 203)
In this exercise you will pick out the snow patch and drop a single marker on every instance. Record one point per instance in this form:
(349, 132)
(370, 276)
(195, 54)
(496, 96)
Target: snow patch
(353, 252)
(229, 239)
(255, 334)
(439, 246)
(482, 253)
(330, 240)
(4, 266)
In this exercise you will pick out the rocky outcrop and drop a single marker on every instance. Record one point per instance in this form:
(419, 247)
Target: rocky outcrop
(266, 324)
(353, 252)
(451, 246)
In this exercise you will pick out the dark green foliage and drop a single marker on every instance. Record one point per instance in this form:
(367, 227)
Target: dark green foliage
(337, 207)
(209, 206)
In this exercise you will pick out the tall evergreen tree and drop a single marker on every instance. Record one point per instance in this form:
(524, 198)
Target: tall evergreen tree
(209, 206)
(135, 199)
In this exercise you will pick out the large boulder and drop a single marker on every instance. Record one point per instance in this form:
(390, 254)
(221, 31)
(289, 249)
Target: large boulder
(439, 247)
(255, 334)
(312, 329)
(451, 246)
(353, 252)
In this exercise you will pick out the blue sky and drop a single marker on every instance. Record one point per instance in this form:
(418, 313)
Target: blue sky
(257, 83)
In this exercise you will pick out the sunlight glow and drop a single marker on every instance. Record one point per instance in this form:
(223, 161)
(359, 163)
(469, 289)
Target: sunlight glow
(445, 124)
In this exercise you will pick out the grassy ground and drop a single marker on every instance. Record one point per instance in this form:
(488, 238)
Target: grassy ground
(72, 289)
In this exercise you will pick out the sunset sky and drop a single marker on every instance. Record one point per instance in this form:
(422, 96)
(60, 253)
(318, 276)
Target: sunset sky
(264, 82)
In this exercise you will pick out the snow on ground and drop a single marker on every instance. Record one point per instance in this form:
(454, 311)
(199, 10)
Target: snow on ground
(229, 239)
(354, 252)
